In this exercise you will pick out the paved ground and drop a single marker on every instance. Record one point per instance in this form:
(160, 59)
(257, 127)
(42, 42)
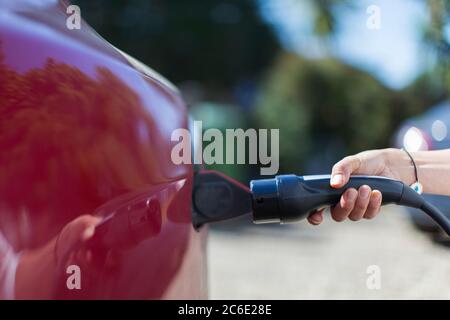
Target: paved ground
(327, 262)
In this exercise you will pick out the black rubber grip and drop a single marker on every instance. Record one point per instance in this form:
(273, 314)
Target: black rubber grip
(289, 198)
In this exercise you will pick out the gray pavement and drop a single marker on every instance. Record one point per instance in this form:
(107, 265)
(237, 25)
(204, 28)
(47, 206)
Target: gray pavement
(327, 262)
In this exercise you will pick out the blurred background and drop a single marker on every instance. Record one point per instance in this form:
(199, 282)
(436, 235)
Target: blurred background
(335, 82)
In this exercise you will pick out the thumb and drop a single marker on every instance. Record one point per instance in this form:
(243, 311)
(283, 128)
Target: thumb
(77, 232)
(343, 169)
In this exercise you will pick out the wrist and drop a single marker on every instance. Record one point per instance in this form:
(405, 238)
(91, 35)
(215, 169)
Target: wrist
(400, 165)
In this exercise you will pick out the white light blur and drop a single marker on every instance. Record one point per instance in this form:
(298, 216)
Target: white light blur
(439, 130)
(413, 140)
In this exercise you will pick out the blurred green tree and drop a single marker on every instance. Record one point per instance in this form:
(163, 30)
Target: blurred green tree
(217, 43)
(436, 32)
(326, 109)
(325, 105)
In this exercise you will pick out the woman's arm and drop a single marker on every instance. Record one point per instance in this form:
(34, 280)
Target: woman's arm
(433, 173)
(433, 169)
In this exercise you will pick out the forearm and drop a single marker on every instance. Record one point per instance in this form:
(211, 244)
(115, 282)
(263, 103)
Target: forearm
(35, 273)
(433, 169)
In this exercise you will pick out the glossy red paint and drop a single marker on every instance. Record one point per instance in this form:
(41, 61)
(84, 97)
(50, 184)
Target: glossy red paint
(83, 129)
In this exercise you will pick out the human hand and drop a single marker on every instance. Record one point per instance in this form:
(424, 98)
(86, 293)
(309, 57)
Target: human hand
(364, 202)
(70, 241)
(37, 269)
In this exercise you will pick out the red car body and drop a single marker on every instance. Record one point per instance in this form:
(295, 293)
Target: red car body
(83, 126)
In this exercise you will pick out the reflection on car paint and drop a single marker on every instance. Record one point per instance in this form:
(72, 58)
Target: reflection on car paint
(81, 128)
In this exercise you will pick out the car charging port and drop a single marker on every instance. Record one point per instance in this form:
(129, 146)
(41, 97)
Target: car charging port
(216, 197)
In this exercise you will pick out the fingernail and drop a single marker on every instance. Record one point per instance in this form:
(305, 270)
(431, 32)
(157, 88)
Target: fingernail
(376, 196)
(364, 192)
(343, 200)
(351, 196)
(315, 220)
(348, 197)
(337, 179)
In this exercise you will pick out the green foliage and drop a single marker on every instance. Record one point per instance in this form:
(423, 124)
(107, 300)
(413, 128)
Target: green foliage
(439, 13)
(324, 100)
(315, 103)
(216, 43)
